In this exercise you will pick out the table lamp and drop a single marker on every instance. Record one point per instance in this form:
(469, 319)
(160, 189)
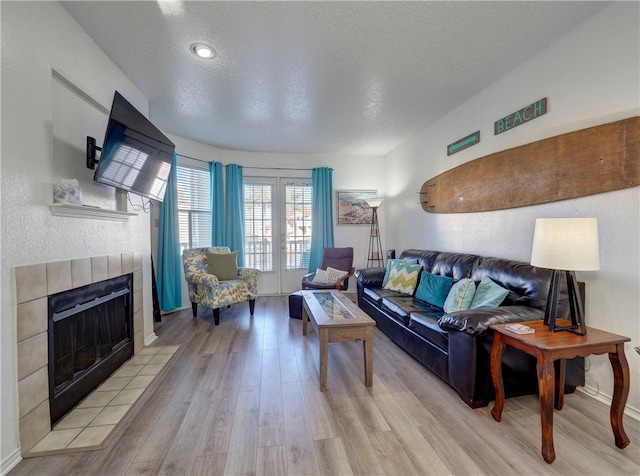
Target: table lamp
(566, 245)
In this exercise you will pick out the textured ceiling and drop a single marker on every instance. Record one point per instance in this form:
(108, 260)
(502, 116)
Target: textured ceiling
(318, 77)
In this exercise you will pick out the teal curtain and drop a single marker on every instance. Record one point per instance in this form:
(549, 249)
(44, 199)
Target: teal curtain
(234, 211)
(321, 214)
(169, 279)
(217, 204)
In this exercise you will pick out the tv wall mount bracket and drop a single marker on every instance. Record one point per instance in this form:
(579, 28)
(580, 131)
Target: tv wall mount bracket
(91, 153)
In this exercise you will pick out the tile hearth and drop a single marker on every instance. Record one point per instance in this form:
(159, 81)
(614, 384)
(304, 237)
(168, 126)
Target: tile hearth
(34, 283)
(93, 421)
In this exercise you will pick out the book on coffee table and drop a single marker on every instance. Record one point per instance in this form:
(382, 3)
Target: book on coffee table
(519, 329)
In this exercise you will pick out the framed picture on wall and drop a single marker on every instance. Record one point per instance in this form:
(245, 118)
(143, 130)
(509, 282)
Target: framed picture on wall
(353, 208)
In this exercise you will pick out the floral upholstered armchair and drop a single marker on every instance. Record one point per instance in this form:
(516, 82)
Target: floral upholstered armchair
(238, 285)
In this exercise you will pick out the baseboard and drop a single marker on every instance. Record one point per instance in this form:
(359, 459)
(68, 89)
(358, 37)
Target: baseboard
(177, 309)
(150, 339)
(10, 462)
(597, 395)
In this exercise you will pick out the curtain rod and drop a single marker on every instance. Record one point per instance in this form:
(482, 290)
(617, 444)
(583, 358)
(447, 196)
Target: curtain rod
(246, 167)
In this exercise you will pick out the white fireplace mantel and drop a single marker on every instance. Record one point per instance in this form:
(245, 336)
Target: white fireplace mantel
(82, 211)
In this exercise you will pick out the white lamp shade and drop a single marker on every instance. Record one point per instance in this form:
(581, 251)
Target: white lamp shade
(374, 202)
(569, 244)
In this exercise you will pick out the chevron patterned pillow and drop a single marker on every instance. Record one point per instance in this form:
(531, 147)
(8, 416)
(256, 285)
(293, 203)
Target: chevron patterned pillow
(403, 277)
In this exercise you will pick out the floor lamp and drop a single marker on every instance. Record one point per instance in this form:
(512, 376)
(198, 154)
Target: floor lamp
(374, 256)
(566, 245)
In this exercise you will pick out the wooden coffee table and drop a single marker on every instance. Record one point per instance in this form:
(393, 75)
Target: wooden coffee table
(337, 319)
(548, 347)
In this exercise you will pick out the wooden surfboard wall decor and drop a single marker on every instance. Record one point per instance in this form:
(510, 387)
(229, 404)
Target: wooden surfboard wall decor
(576, 164)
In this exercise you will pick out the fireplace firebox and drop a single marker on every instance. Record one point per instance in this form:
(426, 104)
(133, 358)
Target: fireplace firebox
(90, 336)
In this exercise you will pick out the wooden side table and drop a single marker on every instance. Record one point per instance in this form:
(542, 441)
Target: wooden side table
(548, 347)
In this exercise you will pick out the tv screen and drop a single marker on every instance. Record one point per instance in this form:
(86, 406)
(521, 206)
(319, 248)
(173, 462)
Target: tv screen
(136, 156)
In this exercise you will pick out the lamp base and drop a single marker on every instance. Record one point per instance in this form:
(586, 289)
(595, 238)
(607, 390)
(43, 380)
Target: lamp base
(576, 311)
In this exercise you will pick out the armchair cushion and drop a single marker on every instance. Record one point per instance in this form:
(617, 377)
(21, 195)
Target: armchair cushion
(223, 265)
(320, 276)
(334, 275)
(337, 263)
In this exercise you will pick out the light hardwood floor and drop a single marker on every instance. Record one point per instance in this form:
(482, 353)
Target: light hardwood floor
(243, 398)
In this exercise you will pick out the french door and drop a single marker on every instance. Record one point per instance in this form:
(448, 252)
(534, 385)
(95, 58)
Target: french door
(278, 231)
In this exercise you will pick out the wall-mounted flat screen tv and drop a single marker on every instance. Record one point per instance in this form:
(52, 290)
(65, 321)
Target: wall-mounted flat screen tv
(136, 156)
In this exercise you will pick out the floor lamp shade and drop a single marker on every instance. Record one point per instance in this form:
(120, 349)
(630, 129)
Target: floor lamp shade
(374, 202)
(566, 245)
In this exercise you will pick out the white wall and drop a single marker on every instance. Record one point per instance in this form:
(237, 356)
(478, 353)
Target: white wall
(44, 129)
(590, 76)
(349, 172)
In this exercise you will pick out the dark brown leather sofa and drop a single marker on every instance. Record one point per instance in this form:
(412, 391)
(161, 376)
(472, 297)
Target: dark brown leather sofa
(456, 346)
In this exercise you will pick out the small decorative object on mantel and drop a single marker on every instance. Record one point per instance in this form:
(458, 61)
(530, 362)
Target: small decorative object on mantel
(461, 144)
(67, 191)
(518, 118)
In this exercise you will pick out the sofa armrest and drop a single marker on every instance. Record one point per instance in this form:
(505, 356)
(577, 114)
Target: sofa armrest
(477, 321)
(370, 277)
(250, 275)
(209, 280)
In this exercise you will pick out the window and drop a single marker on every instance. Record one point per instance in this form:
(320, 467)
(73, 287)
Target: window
(298, 223)
(258, 226)
(194, 206)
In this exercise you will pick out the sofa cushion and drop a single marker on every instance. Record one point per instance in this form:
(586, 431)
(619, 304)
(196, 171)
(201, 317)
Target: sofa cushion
(456, 265)
(424, 258)
(376, 295)
(529, 283)
(223, 265)
(460, 295)
(426, 325)
(433, 288)
(488, 294)
(390, 264)
(400, 306)
(403, 277)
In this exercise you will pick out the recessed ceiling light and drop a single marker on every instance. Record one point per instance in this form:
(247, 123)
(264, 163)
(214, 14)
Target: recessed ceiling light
(203, 51)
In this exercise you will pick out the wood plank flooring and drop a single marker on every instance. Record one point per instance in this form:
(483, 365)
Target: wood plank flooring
(243, 398)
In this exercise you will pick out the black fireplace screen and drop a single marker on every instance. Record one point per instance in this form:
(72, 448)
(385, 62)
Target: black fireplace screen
(90, 336)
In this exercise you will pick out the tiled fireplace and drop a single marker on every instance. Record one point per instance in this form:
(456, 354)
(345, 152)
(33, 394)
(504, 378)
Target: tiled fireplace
(34, 283)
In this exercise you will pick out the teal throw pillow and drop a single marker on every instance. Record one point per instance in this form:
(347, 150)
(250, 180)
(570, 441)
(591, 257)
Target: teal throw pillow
(390, 262)
(403, 277)
(433, 288)
(460, 295)
(488, 294)
(223, 265)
